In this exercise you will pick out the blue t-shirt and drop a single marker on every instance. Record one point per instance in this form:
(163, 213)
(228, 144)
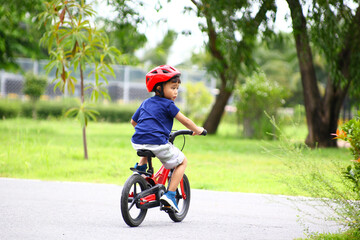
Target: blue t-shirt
(154, 119)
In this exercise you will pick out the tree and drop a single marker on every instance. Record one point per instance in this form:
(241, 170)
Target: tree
(333, 27)
(74, 44)
(158, 55)
(34, 87)
(123, 29)
(19, 36)
(232, 28)
(278, 60)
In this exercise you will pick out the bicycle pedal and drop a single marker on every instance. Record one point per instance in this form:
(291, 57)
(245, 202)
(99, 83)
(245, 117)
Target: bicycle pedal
(167, 208)
(143, 174)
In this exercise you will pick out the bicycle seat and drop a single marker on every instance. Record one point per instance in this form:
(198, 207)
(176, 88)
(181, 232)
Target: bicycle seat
(145, 153)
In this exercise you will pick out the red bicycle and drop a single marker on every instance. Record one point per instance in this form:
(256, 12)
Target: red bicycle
(143, 190)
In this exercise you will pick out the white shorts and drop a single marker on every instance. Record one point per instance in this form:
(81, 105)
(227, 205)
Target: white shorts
(169, 155)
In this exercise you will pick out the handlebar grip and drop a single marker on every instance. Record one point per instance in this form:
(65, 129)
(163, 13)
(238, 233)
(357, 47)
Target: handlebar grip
(173, 135)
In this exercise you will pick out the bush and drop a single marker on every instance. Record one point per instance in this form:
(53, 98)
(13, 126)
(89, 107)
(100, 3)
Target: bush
(34, 85)
(333, 195)
(254, 99)
(9, 108)
(26, 109)
(115, 113)
(57, 109)
(45, 110)
(198, 101)
(350, 132)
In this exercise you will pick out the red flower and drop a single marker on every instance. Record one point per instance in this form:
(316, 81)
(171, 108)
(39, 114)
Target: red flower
(340, 134)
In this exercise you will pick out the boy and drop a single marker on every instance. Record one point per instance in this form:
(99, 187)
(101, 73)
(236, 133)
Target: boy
(153, 122)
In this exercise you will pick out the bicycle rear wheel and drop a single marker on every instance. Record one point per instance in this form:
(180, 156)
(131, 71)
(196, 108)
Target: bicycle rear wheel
(183, 204)
(132, 215)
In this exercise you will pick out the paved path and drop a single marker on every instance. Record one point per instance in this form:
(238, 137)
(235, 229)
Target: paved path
(32, 209)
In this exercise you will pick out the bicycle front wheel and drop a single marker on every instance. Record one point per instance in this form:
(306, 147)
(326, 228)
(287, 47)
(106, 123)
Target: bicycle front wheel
(182, 202)
(132, 215)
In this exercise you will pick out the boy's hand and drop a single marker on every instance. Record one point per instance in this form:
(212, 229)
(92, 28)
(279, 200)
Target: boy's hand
(198, 131)
(133, 123)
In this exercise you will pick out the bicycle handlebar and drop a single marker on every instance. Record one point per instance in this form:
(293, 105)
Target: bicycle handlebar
(173, 135)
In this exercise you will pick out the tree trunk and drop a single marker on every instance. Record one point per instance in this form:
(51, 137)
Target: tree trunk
(82, 103)
(33, 105)
(331, 106)
(322, 114)
(308, 76)
(213, 120)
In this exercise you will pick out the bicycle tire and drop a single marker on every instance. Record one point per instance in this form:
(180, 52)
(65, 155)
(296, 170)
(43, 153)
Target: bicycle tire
(183, 204)
(132, 215)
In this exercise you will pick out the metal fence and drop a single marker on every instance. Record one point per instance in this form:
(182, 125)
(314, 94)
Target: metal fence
(127, 86)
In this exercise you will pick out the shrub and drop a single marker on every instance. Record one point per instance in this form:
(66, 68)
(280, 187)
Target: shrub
(9, 109)
(34, 85)
(115, 113)
(333, 195)
(27, 109)
(57, 109)
(51, 109)
(198, 101)
(46, 109)
(256, 98)
(350, 132)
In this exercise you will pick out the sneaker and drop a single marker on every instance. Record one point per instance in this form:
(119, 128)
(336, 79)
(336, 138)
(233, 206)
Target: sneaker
(168, 199)
(141, 168)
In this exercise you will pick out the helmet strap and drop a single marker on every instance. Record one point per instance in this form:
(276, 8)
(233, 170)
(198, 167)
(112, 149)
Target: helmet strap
(161, 91)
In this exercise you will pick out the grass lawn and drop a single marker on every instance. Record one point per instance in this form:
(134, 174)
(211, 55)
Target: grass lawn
(52, 150)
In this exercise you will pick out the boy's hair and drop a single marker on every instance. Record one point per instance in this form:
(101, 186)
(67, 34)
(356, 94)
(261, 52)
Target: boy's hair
(175, 79)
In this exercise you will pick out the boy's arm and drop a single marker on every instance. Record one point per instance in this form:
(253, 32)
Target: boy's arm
(189, 123)
(133, 122)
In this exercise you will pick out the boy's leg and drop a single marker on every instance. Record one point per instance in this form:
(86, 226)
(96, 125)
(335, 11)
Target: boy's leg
(143, 160)
(177, 175)
(142, 165)
(169, 196)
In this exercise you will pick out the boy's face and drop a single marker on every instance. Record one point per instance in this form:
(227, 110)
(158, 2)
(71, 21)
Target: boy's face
(171, 90)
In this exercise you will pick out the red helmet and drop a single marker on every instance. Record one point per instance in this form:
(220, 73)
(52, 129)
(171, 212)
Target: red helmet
(159, 74)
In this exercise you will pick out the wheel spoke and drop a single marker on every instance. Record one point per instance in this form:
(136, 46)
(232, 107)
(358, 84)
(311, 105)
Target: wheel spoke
(132, 204)
(134, 197)
(135, 190)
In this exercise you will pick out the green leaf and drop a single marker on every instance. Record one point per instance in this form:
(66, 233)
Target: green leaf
(72, 112)
(58, 85)
(111, 70)
(50, 66)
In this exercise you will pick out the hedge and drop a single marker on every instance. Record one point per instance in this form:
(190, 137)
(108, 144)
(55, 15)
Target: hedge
(56, 109)
(115, 113)
(9, 109)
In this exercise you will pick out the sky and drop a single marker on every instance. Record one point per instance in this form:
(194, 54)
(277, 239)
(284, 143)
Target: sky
(179, 21)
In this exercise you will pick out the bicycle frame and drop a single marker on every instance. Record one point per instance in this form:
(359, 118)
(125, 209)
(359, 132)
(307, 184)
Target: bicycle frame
(151, 197)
